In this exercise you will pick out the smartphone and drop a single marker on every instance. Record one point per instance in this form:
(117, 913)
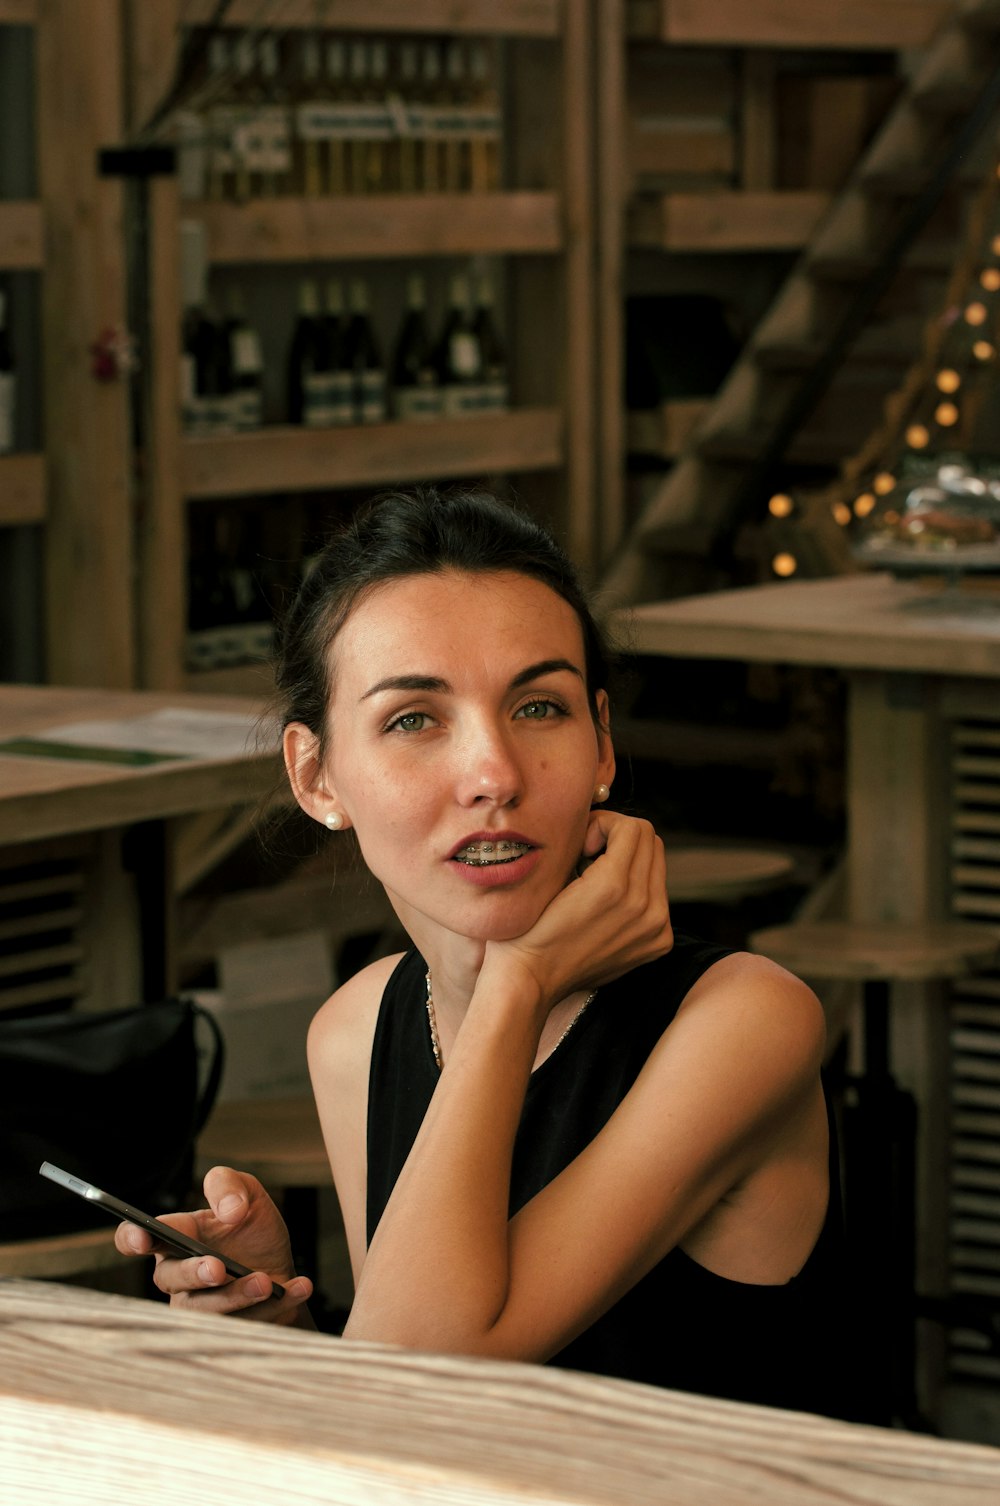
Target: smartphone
(127, 1214)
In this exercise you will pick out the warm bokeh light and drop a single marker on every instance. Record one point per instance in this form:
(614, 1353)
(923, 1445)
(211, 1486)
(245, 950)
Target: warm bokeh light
(946, 414)
(918, 436)
(784, 564)
(842, 513)
(995, 245)
(780, 505)
(983, 350)
(864, 504)
(976, 313)
(948, 380)
(891, 516)
(989, 278)
(883, 483)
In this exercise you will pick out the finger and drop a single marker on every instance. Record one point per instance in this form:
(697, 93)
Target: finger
(194, 1273)
(131, 1240)
(229, 1193)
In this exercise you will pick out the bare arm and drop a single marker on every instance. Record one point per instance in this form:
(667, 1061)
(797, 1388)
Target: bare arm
(446, 1269)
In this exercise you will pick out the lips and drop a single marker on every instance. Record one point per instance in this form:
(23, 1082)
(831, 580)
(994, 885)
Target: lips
(491, 849)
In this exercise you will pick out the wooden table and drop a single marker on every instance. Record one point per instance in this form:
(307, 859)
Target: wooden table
(921, 664)
(111, 1400)
(119, 825)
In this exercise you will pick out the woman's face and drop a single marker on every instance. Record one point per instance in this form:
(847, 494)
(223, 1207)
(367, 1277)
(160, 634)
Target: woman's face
(462, 748)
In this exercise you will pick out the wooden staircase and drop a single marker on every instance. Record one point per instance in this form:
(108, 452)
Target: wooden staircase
(707, 522)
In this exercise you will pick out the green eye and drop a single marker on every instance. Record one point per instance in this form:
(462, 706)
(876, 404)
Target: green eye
(410, 721)
(537, 711)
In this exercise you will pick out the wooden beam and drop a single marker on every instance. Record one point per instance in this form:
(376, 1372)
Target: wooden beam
(22, 489)
(727, 221)
(20, 235)
(610, 85)
(846, 24)
(292, 459)
(515, 18)
(374, 225)
(88, 556)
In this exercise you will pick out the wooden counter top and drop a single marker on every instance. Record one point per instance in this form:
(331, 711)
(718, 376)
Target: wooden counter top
(864, 621)
(42, 797)
(113, 1401)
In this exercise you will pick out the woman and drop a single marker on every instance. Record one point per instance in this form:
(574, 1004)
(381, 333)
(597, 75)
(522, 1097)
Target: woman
(556, 1131)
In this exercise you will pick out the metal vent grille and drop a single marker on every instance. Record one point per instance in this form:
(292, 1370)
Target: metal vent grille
(975, 1047)
(42, 927)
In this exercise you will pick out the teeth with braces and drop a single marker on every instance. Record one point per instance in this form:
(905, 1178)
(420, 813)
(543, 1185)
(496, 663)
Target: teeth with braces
(482, 854)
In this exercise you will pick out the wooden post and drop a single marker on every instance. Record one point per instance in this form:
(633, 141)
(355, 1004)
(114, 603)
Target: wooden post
(89, 619)
(611, 187)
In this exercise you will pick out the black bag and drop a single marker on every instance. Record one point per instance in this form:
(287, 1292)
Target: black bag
(117, 1097)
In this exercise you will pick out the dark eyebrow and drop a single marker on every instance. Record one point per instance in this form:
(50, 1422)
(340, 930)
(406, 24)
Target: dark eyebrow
(432, 683)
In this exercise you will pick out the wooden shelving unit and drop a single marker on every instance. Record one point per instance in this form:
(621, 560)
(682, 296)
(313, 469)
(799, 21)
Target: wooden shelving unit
(543, 223)
(730, 221)
(849, 24)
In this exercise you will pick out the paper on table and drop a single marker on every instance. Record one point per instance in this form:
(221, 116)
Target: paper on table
(183, 732)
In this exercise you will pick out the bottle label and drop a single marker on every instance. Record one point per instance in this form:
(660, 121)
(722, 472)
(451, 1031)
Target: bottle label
(442, 122)
(7, 386)
(463, 353)
(246, 352)
(416, 402)
(248, 407)
(317, 405)
(371, 397)
(494, 395)
(461, 399)
(342, 397)
(263, 141)
(356, 120)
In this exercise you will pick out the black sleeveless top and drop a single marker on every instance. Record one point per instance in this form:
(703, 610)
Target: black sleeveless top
(680, 1326)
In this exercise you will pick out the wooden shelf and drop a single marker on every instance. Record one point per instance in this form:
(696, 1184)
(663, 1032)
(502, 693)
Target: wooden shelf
(18, 12)
(20, 235)
(22, 489)
(514, 18)
(846, 24)
(303, 460)
(381, 225)
(780, 221)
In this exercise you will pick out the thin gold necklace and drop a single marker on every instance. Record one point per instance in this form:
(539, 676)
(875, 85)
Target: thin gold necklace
(436, 1040)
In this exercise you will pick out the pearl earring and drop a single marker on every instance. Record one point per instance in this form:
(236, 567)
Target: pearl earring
(334, 820)
(601, 794)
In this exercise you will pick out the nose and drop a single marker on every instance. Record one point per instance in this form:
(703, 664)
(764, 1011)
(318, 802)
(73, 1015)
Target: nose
(488, 772)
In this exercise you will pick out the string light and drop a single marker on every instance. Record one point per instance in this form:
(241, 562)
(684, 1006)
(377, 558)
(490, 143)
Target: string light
(976, 313)
(784, 564)
(995, 245)
(948, 380)
(884, 483)
(891, 517)
(918, 436)
(841, 513)
(946, 414)
(780, 505)
(983, 350)
(864, 504)
(989, 278)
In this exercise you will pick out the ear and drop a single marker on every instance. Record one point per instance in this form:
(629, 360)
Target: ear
(306, 775)
(606, 752)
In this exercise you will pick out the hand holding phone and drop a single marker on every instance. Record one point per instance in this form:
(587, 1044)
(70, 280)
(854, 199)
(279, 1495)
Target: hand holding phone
(183, 1244)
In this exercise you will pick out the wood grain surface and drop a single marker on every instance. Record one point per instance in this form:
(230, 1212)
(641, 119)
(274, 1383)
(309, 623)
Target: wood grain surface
(107, 1399)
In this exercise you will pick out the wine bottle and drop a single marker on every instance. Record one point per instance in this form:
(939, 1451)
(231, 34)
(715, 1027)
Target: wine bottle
(431, 174)
(246, 364)
(365, 359)
(206, 375)
(309, 124)
(308, 364)
(341, 373)
(494, 384)
(408, 117)
(271, 169)
(8, 382)
(356, 147)
(221, 118)
(415, 389)
(484, 123)
(459, 361)
(455, 146)
(336, 134)
(377, 123)
(246, 102)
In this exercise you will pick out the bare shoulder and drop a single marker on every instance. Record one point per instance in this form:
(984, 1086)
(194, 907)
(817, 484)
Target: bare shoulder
(758, 1007)
(341, 1033)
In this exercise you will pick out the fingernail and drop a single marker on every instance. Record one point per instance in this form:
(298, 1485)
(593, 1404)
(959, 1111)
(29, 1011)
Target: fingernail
(255, 1288)
(231, 1203)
